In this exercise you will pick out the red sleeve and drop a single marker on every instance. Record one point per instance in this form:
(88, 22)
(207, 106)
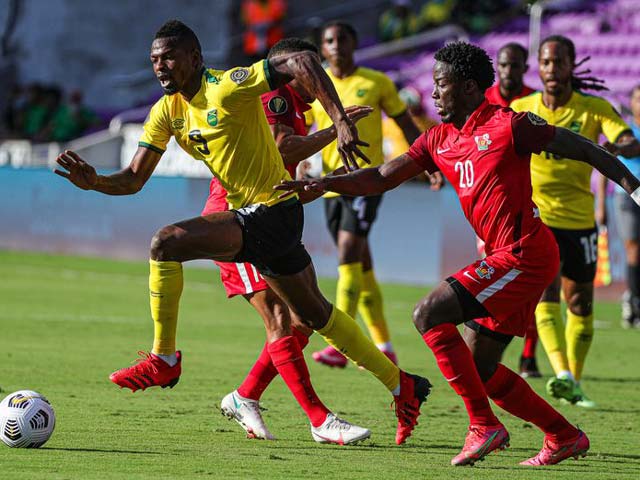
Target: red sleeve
(277, 107)
(531, 133)
(420, 154)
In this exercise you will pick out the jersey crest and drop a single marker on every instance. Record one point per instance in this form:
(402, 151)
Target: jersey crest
(212, 117)
(535, 119)
(239, 75)
(575, 126)
(278, 105)
(177, 123)
(482, 142)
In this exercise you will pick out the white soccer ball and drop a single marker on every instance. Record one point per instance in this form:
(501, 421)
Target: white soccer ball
(26, 419)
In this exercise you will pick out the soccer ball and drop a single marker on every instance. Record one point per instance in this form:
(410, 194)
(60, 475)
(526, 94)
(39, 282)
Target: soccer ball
(26, 419)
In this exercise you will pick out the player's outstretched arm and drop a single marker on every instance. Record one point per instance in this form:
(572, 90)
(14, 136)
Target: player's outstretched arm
(295, 148)
(571, 145)
(125, 182)
(367, 181)
(305, 67)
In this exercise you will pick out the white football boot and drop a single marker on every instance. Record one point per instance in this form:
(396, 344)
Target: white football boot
(339, 431)
(247, 413)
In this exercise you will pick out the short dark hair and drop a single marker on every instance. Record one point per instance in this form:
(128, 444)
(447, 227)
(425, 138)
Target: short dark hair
(468, 62)
(517, 47)
(178, 30)
(579, 80)
(340, 24)
(291, 44)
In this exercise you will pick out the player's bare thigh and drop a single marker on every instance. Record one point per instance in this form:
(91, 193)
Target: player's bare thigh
(301, 293)
(217, 236)
(440, 306)
(277, 317)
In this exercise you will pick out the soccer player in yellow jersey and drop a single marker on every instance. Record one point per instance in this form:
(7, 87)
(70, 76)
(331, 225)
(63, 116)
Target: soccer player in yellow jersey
(562, 192)
(349, 219)
(217, 117)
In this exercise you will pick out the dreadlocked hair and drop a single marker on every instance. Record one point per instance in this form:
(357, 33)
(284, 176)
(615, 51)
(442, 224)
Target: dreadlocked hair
(579, 79)
(468, 62)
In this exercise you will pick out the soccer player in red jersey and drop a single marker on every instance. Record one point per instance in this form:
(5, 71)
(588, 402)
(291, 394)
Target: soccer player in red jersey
(512, 65)
(284, 108)
(484, 152)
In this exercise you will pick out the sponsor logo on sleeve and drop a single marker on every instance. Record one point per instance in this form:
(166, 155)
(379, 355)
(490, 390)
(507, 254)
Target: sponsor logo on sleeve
(278, 105)
(239, 75)
(575, 126)
(535, 119)
(483, 141)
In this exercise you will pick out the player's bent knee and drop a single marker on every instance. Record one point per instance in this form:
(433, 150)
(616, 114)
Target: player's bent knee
(580, 303)
(425, 315)
(164, 243)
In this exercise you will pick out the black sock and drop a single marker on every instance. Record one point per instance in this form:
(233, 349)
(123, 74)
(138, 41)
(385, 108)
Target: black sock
(633, 280)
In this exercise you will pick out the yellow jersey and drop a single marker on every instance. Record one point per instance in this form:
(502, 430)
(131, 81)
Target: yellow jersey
(362, 87)
(225, 127)
(562, 189)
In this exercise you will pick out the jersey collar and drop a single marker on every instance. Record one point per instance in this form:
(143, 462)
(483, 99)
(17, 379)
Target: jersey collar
(477, 117)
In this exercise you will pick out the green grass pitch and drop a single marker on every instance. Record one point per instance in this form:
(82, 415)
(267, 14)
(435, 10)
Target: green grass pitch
(66, 323)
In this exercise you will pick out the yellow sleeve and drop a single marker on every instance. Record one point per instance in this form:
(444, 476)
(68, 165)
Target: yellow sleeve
(391, 103)
(243, 84)
(308, 117)
(611, 123)
(157, 129)
(518, 105)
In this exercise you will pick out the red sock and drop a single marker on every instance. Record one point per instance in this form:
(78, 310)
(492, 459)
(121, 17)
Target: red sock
(287, 357)
(263, 372)
(456, 364)
(530, 340)
(510, 392)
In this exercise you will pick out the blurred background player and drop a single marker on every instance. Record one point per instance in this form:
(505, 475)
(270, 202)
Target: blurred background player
(395, 143)
(511, 67)
(484, 152)
(628, 220)
(284, 109)
(208, 112)
(350, 219)
(562, 191)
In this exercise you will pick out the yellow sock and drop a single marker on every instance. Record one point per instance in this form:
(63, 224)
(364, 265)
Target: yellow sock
(343, 333)
(551, 333)
(348, 288)
(370, 307)
(579, 336)
(165, 288)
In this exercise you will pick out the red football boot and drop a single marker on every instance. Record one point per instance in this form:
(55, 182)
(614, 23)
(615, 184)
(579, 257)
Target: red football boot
(480, 442)
(331, 357)
(149, 371)
(413, 391)
(553, 452)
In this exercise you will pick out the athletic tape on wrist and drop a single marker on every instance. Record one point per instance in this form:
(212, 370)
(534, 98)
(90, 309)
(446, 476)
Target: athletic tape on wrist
(636, 196)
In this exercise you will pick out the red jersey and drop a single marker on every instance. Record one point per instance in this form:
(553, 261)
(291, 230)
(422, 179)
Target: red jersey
(284, 106)
(492, 94)
(487, 162)
(281, 106)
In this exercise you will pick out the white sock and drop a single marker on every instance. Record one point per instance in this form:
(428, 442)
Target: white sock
(396, 391)
(170, 360)
(385, 347)
(566, 374)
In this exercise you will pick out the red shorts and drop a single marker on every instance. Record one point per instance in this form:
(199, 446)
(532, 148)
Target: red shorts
(237, 278)
(509, 285)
